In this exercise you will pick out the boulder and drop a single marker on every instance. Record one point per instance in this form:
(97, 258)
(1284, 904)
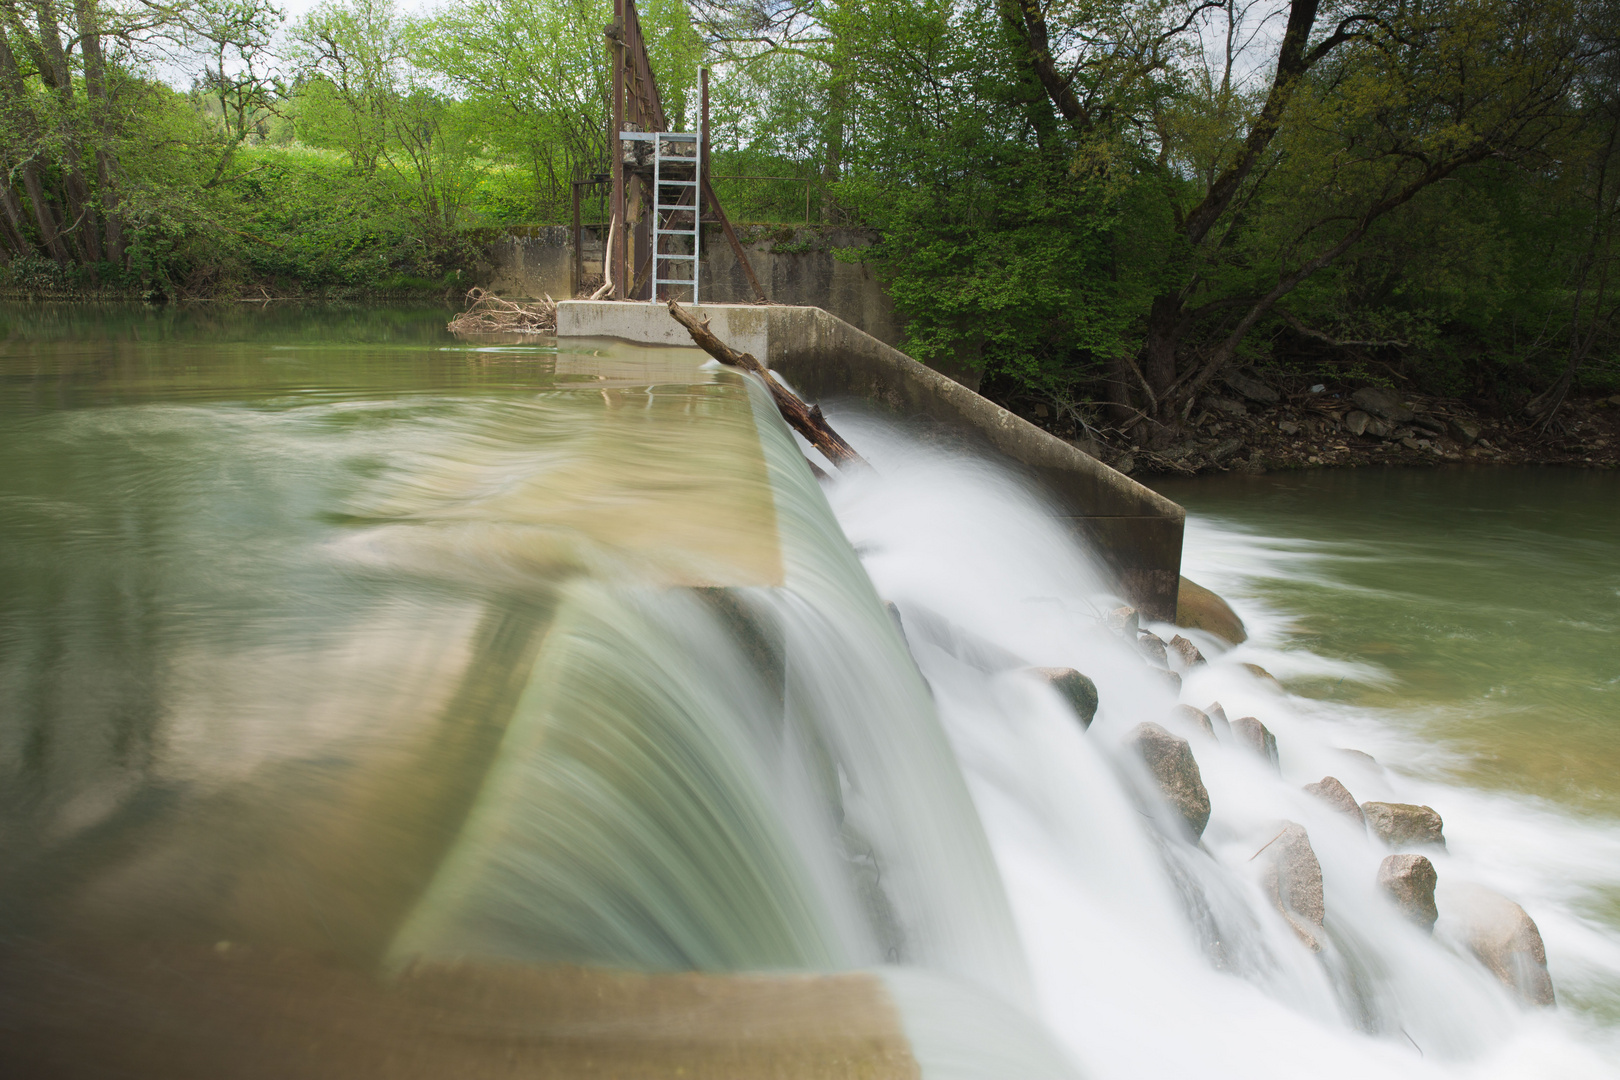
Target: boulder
(1079, 691)
(1380, 429)
(1429, 423)
(1261, 673)
(1199, 609)
(1170, 761)
(1336, 795)
(1251, 388)
(1506, 940)
(1170, 680)
(1361, 757)
(1356, 422)
(1189, 717)
(1151, 645)
(1464, 431)
(1382, 403)
(1223, 449)
(1124, 620)
(1403, 824)
(1185, 652)
(1250, 732)
(1410, 881)
(1227, 406)
(1292, 878)
(1217, 716)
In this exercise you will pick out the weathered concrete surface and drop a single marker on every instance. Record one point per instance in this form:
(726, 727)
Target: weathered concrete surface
(200, 1013)
(1136, 530)
(796, 265)
(745, 327)
(529, 262)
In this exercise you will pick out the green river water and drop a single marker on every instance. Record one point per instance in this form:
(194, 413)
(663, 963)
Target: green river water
(1488, 599)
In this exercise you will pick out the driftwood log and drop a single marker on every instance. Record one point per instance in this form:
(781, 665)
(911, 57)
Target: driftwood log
(807, 420)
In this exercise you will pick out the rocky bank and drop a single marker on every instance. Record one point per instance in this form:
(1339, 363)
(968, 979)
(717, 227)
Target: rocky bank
(1249, 424)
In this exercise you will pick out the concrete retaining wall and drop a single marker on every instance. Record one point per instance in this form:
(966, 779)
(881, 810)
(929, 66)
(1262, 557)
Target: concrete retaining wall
(1138, 531)
(795, 265)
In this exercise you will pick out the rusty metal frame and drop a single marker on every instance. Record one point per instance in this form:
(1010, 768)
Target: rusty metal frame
(637, 106)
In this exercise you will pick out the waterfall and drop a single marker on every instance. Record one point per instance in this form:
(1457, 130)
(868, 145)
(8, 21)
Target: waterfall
(1153, 956)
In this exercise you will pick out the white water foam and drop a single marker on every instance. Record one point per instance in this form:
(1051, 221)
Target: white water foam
(1153, 957)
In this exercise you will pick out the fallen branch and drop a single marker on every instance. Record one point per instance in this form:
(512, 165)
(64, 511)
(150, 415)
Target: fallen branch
(807, 420)
(488, 314)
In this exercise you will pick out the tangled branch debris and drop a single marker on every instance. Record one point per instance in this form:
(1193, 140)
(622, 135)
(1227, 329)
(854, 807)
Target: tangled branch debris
(489, 314)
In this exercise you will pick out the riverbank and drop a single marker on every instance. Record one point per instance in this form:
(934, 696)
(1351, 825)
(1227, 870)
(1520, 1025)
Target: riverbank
(1251, 426)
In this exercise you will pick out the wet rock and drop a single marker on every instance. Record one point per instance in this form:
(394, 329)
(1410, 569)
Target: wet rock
(1336, 795)
(1293, 880)
(1171, 681)
(1151, 645)
(1464, 431)
(1186, 716)
(1262, 674)
(1217, 716)
(1199, 609)
(1356, 422)
(1250, 732)
(1403, 824)
(1382, 403)
(1251, 388)
(1185, 652)
(1227, 406)
(1505, 938)
(1410, 881)
(1075, 688)
(1170, 760)
(1123, 620)
(1361, 757)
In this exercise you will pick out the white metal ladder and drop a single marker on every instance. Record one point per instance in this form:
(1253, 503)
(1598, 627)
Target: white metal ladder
(675, 176)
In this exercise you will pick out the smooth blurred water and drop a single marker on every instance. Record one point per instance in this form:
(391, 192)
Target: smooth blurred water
(1153, 958)
(1483, 604)
(323, 632)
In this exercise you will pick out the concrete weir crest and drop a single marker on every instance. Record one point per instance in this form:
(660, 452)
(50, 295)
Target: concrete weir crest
(1136, 530)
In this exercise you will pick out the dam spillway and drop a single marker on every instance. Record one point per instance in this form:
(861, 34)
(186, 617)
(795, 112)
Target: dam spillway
(377, 704)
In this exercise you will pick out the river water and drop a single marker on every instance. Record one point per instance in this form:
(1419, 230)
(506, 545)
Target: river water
(342, 650)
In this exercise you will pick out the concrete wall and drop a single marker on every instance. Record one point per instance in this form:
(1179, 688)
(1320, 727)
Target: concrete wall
(529, 262)
(1138, 531)
(795, 265)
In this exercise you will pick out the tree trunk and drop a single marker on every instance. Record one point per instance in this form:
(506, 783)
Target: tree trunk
(85, 227)
(805, 419)
(101, 114)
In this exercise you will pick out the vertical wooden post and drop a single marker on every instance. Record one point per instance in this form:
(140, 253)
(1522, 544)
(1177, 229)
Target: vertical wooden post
(703, 147)
(616, 149)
